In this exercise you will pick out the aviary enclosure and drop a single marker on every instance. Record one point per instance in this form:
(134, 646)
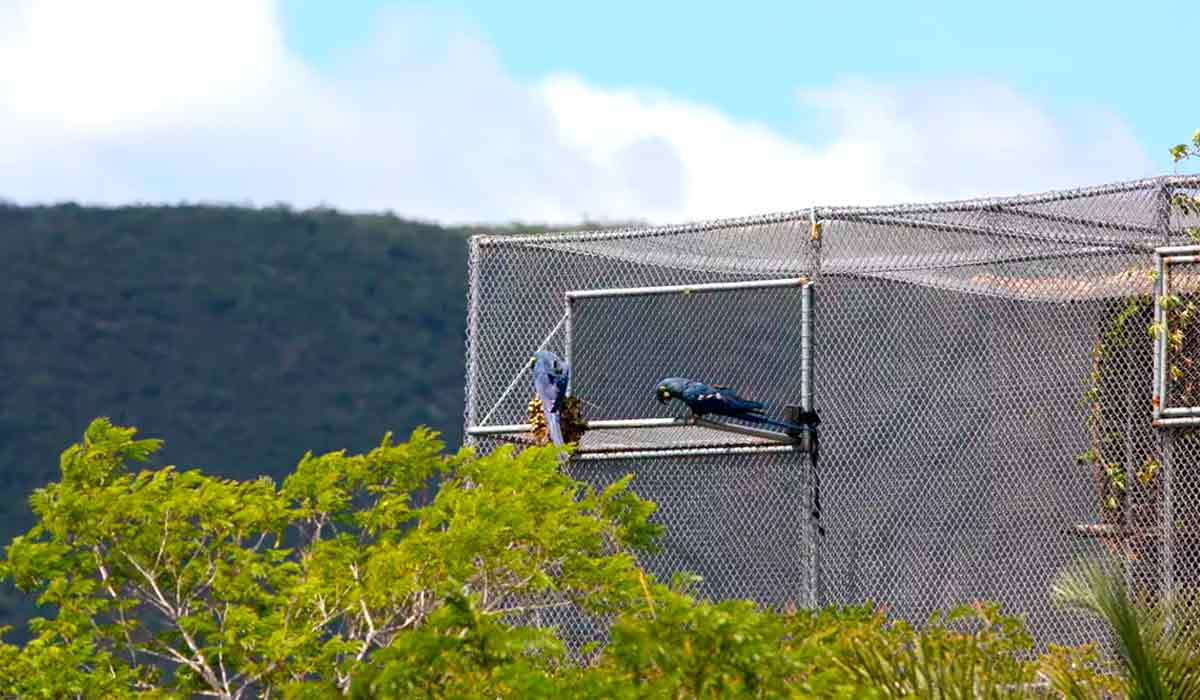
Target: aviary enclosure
(1004, 386)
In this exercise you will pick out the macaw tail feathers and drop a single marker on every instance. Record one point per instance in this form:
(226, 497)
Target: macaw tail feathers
(554, 428)
(782, 425)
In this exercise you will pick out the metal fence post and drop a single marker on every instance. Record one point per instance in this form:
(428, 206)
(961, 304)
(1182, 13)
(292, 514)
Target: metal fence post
(1167, 436)
(806, 405)
(472, 408)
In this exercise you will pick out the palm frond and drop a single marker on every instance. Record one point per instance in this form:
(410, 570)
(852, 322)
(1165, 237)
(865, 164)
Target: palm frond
(1158, 642)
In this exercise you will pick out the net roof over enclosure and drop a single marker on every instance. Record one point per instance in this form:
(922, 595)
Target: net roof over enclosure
(978, 366)
(922, 243)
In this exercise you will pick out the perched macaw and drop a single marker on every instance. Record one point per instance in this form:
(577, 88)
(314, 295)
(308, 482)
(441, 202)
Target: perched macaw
(719, 400)
(551, 374)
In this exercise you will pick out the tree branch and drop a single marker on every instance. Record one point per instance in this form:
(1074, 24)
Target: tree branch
(166, 605)
(162, 545)
(530, 608)
(224, 675)
(370, 631)
(120, 610)
(172, 614)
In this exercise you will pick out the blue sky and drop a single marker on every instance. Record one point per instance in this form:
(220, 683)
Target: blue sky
(749, 58)
(487, 111)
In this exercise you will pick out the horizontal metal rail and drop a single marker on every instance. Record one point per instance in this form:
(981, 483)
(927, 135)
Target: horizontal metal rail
(1169, 250)
(591, 425)
(1179, 411)
(686, 452)
(684, 288)
(1172, 422)
(745, 430)
(627, 423)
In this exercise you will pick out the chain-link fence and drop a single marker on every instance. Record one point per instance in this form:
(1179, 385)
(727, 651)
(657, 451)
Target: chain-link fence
(984, 373)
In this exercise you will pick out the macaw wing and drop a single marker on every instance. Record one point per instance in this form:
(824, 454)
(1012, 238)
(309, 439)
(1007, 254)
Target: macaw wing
(548, 390)
(729, 399)
(548, 393)
(562, 379)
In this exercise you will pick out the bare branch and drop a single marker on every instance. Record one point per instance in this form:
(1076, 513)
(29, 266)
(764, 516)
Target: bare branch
(162, 545)
(172, 654)
(252, 679)
(224, 675)
(366, 644)
(262, 538)
(531, 608)
(173, 614)
(162, 599)
(120, 610)
(206, 670)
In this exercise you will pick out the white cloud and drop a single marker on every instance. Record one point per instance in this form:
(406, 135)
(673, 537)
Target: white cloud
(889, 144)
(144, 100)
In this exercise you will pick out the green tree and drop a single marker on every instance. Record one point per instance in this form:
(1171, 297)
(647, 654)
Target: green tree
(180, 581)
(1182, 151)
(1188, 203)
(168, 583)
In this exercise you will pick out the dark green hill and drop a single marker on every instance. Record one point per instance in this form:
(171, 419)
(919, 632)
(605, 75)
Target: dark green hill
(243, 337)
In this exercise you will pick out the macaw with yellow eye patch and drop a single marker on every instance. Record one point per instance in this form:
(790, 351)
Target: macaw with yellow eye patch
(551, 374)
(718, 400)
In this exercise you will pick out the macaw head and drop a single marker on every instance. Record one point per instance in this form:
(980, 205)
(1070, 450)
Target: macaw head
(670, 388)
(548, 362)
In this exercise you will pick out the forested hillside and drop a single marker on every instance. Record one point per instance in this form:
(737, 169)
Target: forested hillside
(241, 336)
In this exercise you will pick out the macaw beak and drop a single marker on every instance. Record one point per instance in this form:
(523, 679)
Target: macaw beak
(663, 396)
(532, 361)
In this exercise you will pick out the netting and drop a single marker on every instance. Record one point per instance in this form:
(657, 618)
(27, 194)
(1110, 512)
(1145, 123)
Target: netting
(984, 372)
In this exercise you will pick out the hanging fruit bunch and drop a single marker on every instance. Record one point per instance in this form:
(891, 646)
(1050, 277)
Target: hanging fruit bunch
(570, 420)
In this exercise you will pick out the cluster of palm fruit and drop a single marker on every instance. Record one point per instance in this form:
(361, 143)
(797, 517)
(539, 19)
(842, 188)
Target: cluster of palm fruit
(570, 420)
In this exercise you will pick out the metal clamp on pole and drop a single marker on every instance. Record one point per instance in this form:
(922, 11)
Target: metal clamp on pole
(814, 226)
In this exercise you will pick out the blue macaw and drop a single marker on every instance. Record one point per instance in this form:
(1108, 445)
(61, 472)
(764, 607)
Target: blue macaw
(719, 400)
(551, 374)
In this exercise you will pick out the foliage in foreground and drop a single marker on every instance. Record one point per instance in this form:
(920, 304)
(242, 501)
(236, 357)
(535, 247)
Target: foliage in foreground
(171, 583)
(179, 580)
(1158, 642)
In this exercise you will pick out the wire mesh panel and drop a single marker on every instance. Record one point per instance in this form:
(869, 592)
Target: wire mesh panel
(624, 344)
(984, 374)
(741, 521)
(950, 471)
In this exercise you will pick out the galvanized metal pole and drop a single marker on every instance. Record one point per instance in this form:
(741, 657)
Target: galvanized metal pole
(1167, 518)
(806, 405)
(806, 387)
(472, 340)
(1167, 435)
(1161, 392)
(1132, 494)
(568, 342)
